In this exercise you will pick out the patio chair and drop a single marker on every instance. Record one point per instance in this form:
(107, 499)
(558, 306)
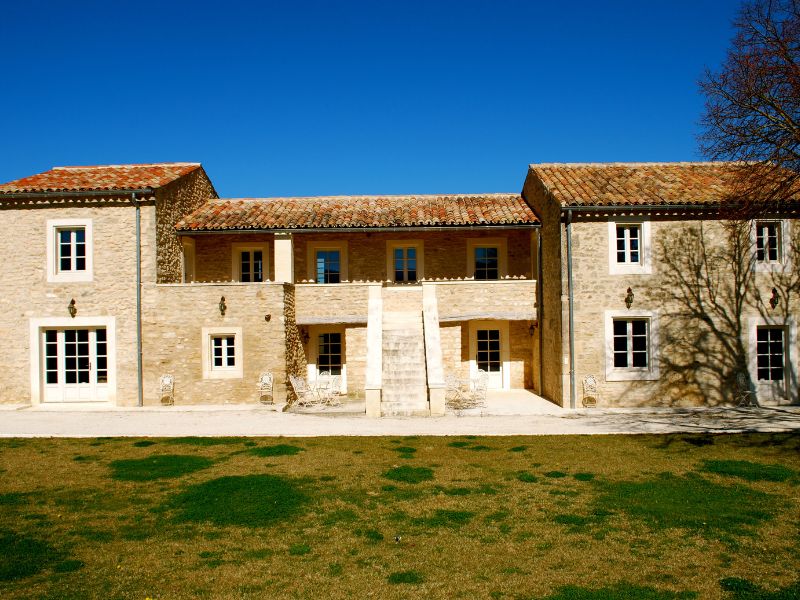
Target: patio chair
(334, 391)
(264, 386)
(454, 396)
(590, 394)
(305, 394)
(480, 383)
(166, 388)
(745, 396)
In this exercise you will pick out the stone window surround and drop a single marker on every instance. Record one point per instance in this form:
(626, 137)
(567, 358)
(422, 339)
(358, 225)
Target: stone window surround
(37, 325)
(391, 245)
(784, 262)
(645, 266)
(505, 348)
(631, 373)
(236, 264)
(789, 345)
(188, 260)
(314, 332)
(311, 258)
(53, 272)
(207, 357)
(500, 243)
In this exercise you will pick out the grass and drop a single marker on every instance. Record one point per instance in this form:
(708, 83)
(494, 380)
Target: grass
(349, 517)
(158, 466)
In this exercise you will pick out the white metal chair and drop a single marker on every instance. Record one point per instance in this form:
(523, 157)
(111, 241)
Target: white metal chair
(744, 395)
(590, 394)
(265, 381)
(479, 385)
(454, 396)
(305, 394)
(166, 390)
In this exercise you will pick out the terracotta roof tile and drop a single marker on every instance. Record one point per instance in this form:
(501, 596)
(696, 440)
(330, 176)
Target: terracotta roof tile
(101, 177)
(359, 211)
(620, 184)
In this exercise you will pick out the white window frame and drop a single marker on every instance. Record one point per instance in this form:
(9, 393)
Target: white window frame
(632, 373)
(38, 325)
(54, 273)
(644, 266)
(783, 263)
(502, 256)
(207, 353)
(312, 371)
(188, 274)
(505, 348)
(311, 259)
(393, 245)
(236, 260)
(789, 326)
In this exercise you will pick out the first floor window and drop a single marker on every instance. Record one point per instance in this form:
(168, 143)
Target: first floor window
(251, 265)
(223, 352)
(329, 353)
(487, 262)
(768, 241)
(71, 249)
(770, 353)
(631, 345)
(328, 266)
(628, 244)
(405, 264)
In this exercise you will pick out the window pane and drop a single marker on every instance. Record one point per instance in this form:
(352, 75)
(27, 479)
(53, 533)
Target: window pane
(640, 359)
(620, 327)
(620, 359)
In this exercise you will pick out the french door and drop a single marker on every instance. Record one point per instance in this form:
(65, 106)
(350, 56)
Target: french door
(489, 351)
(75, 365)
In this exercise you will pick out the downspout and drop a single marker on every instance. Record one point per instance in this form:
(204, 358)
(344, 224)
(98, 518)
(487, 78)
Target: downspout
(571, 312)
(140, 387)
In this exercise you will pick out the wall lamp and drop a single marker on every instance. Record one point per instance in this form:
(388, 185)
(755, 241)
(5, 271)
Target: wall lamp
(773, 300)
(629, 298)
(72, 309)
(222, 306)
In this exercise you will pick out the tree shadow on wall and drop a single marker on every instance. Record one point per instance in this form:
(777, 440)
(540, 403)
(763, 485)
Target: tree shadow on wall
(706, 286)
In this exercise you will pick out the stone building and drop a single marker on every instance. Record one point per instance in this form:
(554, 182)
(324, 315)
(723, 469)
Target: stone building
(655, 283)
(131, 272)
(135, 271)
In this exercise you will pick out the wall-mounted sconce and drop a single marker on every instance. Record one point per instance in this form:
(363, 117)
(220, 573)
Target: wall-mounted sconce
(532, 328)
(222, 306)
(773, 300)
(629, 298)
(72, 309)
(304, 337)
(267, 318)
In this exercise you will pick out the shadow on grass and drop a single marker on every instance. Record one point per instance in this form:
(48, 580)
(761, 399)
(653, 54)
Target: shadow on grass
(159, 466)
(408, 474)
(22, 556)
(747, 470)
(276, 450)
(741, 589)
(620, 591)
(246, 501)
(689, 502)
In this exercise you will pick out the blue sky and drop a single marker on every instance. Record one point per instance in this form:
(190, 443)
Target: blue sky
(312, 98)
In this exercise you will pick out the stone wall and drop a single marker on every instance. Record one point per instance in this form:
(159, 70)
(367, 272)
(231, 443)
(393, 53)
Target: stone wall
(173, 202)
(332, 303)
(25, 292)
(296, 362)
(356, 358)
(461, 300)
(174, 316)
(214, 254)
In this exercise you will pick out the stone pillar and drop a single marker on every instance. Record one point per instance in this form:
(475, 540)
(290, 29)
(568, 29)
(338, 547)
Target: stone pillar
(374, 373)
(284, 258)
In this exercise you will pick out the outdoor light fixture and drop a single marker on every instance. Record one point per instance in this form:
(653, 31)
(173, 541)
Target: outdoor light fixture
(267, 318)
(73, 310)
(304, 335)
(222, 306)
(532, 328)
(629, 298)
(773, 300)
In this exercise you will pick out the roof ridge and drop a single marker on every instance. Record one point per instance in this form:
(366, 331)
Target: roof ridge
(164, 164)
(641, 164)
(376, 196)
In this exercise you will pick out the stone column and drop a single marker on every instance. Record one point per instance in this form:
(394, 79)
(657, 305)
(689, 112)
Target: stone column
(284, 258)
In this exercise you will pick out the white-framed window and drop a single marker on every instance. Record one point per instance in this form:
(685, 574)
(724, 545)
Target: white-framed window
(629, 246)
(327, 262)
(631, 345)
(772, 344)
(769, 238)
(73, 359)
(327, 353)
(487, 258)
(221, 349)
(489, 351)
(250, 262)
(404, 261)
(69, 250)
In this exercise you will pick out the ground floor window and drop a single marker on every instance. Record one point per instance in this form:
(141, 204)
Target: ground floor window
(75, 365)
(221, 349)
(770, 353)
(488, 343)
(329, 353)
(631, 345)
(224, 352)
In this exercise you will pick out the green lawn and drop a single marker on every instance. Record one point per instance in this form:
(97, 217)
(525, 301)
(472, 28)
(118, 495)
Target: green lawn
(559, 518)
